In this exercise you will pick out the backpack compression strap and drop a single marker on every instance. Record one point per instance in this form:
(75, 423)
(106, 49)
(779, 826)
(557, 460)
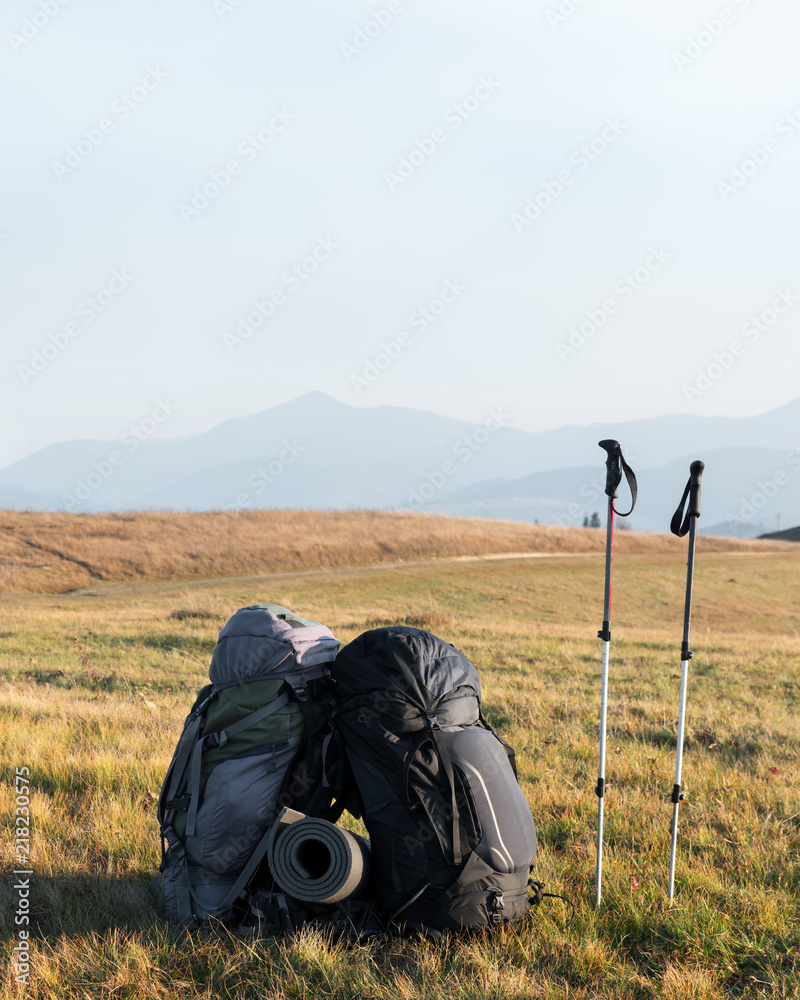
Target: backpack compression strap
(177, 852)
(510, 751)
(247, 872)
(174, 776)
(219, 739)
(432, 735)
(444, 756)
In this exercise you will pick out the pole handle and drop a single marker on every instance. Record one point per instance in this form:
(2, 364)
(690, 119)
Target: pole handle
(681, 521)
(696, 474)
(615, 466)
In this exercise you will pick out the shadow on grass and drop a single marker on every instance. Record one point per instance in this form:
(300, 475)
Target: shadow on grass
(733, 750)
(649, 941)
(83, 903)
(159, 640)
(89, 681)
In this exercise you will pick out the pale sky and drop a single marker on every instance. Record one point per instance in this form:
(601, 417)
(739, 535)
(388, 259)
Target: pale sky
(513, 171)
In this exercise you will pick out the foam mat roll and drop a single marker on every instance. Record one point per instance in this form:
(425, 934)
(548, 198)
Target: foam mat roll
(316, 861)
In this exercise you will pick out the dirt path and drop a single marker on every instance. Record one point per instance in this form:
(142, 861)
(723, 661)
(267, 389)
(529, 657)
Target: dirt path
(165, 586)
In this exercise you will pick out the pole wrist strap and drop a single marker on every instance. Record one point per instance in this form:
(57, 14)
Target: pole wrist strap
(682, 518)
(632, 486)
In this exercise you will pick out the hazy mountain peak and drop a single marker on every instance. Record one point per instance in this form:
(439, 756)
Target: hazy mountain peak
(315, 451)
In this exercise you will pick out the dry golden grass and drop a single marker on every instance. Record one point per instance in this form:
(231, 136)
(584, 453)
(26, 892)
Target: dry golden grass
(97, 725)
(58, 552)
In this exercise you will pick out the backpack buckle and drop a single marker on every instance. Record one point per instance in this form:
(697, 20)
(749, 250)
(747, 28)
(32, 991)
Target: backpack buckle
(214, 740)
(496, 904)
(538, 888)
(178, 804)
(175, 848)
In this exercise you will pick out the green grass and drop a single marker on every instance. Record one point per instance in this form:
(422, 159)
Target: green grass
(94, 686)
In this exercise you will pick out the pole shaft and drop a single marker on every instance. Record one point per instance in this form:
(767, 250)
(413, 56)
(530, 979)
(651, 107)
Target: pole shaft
(678, 770)
(599, 875)
(602, 773)
(601, 778)
(685, 657)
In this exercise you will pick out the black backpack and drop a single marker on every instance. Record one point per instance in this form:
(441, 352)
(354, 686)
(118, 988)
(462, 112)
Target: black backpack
(452, 837)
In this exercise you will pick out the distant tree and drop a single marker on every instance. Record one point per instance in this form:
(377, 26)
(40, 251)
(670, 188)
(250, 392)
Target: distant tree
(595, 521)
(586, 521)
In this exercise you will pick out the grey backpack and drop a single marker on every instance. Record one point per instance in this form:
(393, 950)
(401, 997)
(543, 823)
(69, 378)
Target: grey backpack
(253, 743)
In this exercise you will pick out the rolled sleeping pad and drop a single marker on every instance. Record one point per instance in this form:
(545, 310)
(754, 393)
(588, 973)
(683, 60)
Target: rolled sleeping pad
(316, 861)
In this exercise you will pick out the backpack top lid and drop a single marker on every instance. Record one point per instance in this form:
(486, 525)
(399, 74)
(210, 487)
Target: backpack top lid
(266, 640)
(402, 668)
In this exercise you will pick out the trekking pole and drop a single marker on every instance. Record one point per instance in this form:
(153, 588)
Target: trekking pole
(680, 525)
(615, 464)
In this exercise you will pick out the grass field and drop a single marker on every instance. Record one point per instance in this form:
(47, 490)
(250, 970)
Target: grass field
(96, 683)
(53, 553)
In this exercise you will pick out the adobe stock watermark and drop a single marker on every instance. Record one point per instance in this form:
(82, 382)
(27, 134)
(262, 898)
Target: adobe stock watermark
(464, 449)
(266, 475)
(562, 12)
(248, 150)
(751, 332)
(420, 320)
(366, 33)
(131, 441)
(592, 491)
(22, 874)
(713, 28)
(454, 117)
(624, 290)
(757, 157)
(767, 489)
(225, 7)
(122, 107)
(581, 158)
(293, 278)
(88, 310)
(36, 22)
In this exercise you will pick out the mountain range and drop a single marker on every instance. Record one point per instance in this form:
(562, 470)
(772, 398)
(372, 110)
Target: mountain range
(316, 452)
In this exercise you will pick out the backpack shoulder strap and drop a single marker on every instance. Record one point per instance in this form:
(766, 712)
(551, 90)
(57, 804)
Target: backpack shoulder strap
(334, 793)
(301, 699)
